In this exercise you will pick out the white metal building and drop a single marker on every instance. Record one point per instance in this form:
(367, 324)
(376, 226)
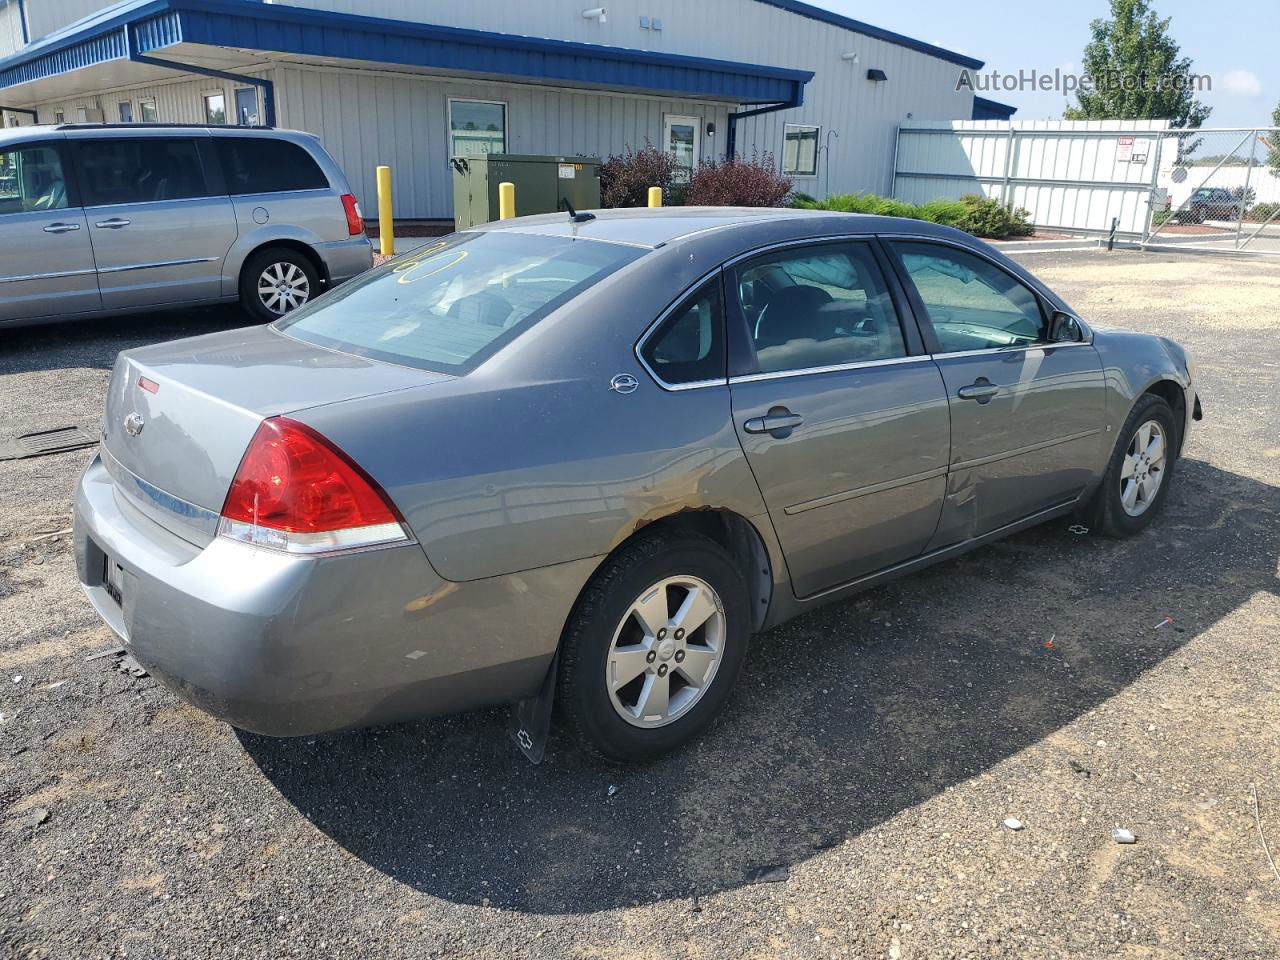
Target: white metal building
(412, 82)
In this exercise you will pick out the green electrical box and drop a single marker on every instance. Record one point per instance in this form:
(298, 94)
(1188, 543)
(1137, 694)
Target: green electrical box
(542, 185)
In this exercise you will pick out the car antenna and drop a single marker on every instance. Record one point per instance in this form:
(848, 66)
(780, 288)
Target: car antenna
(574, 215)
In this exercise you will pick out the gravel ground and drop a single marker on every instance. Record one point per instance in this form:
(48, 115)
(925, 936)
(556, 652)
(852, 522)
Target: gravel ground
(849, 804)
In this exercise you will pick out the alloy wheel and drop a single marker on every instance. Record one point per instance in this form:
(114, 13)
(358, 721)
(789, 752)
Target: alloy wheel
(665, 651)
(283, 287)
(1143, 468)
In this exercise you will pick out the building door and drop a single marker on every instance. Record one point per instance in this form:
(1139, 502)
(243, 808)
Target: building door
(683, 137)
(247, 106)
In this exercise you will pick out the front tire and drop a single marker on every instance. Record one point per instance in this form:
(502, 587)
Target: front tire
(277, 281)
(653, 647)
(1140, 471)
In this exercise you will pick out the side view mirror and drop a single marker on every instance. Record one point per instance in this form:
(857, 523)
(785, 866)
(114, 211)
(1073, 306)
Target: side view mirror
(1065, 328)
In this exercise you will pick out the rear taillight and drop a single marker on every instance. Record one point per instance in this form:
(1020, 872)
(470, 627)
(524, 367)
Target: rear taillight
(355, 219)
(297, 492)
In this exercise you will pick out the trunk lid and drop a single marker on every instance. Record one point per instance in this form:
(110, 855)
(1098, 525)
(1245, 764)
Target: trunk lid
(180, 415)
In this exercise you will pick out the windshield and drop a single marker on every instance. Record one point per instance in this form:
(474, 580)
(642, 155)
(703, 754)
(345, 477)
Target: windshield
(457, 301)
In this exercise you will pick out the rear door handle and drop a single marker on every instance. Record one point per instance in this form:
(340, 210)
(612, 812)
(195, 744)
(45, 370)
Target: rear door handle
(115, 223)
(982, 391)
(779, 422)
(61, 227)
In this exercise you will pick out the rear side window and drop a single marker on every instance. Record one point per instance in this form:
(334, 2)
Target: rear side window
(689, 347)
(818, 306)
(31, 179)
(264, 165)
(452, 304)
(139, 171)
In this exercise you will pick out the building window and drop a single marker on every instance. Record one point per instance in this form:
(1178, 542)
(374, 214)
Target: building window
(147, 110)
(800, 150)
(215, 109)
(477, 127)
(59, 117)
(126, 111)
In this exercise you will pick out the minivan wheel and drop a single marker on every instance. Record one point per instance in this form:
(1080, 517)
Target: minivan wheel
(277, 281)
(1140, 470)
(653, 646)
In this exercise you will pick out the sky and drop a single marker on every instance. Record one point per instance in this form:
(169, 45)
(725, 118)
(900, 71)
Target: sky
(1235, 42)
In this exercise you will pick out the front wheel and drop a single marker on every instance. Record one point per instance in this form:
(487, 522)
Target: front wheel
(1140, 470)
(653, 647)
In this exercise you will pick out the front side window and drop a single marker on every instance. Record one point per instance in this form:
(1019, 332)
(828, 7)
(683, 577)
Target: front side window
(215, 109)
(800, 150)
(818, 306)
(266, 165)
(451, 305)
(689, 347)
(139, 171)
(477, 127)
(972, 304)
(31, 179)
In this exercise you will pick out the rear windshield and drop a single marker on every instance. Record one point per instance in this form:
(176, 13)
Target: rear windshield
(456, 302)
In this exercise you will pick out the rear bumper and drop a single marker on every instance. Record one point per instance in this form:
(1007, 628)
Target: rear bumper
(345, 259)
(290, 646)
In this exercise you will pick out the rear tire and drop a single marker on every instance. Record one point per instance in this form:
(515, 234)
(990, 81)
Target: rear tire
(276, 281)
(1140, 472)
(634, 682)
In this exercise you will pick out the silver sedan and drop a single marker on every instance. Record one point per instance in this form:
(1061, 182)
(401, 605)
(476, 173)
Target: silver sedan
(583, 459)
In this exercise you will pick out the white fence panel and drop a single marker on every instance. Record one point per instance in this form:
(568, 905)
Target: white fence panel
(1072, 175)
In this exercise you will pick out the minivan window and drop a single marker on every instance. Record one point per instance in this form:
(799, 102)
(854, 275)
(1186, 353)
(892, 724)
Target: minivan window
(31, 179)
(264, 165)
(456, 302)
(139, 171)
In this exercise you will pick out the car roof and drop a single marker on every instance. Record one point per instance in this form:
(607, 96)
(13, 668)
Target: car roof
(78, 131)
(656, 227)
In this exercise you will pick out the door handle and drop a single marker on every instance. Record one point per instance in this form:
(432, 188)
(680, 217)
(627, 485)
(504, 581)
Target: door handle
(779, 422)
(61, 227)
(115, 223)
(982, 391)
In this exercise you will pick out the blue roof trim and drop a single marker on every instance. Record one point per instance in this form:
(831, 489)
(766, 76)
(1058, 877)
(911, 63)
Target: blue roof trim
(252, 25)
(984, 109)
(888, 36)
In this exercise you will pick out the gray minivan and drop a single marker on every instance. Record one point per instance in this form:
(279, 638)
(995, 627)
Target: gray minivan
(99, 220)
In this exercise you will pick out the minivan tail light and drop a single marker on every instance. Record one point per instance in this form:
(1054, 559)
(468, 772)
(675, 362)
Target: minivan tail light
(355, 219)
(296, 492)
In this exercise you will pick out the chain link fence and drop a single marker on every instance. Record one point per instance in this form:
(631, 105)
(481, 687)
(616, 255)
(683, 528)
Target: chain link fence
(1218, 189)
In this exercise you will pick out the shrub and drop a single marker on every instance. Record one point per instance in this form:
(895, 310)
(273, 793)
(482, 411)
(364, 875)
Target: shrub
(625, 178)
(738, 183)
(1161, 217)
(1262, 212)
(973, 213)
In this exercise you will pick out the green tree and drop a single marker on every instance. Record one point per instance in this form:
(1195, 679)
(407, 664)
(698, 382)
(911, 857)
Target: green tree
(1136, 72)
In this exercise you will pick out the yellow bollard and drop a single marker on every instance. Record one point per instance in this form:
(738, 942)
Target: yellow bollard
(386, 229)
(655, 196)
(506, 200)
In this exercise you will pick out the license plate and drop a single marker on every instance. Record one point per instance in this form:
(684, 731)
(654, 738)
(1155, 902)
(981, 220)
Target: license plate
(113, 579)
